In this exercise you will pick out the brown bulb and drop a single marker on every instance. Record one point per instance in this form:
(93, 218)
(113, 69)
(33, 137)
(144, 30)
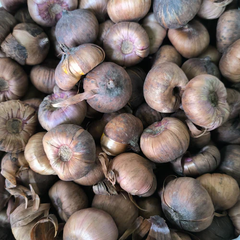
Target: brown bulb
(13, 80)
(165, 141)
(223, 189)
(77, 27)
(67, 198)
(163, 93)
(197, 66)
(98, 7)
(175, 13)
(48, 13)
(194, 216)
(126, 43)
(127, 10)
(190, 40)
(18, 124)
(194, 164)
(121, 133)
(167, 53)
(230, 68)
(227, 29)
(204, 101)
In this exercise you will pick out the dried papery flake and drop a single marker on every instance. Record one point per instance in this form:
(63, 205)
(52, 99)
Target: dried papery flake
(104, 188)
(24, 219)
(149, 206)
(199, 137)
(10, 165)
(43, 228)
(41, 183)
(18, 122)
(142, 230)
(47, 12)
